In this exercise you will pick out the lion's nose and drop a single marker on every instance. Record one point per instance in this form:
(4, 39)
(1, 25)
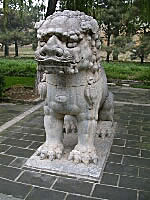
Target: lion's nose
(58, 51)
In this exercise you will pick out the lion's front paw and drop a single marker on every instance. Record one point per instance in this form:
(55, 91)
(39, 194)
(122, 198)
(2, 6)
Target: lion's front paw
(50, 151)
(79, 155)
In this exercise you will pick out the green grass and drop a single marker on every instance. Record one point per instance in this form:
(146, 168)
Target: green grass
(127, 70)
(17, 67)
(23, 71)
(24, 81)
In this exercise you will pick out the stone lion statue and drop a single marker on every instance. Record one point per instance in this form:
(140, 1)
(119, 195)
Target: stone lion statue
(69, 52)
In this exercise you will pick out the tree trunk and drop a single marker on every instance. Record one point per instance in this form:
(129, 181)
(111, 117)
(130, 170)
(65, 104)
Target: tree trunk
(115, 56)
(107, 57)
(142, 59)
(6, 51)
(108, 44)
(51, 7)
(16, 49)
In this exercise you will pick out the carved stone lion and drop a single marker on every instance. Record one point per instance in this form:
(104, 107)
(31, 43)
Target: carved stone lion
(69, 51)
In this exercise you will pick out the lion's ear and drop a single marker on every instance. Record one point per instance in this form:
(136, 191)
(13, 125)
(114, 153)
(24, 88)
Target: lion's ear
(39, 24)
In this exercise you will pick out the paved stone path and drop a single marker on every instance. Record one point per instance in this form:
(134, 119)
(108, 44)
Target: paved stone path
(127, 172)
(9, 110)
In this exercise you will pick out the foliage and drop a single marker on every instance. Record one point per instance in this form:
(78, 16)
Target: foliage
(17, 22)
(144, 9)
(18, 67)
(116, 21)
(89, 7)
(127, 70)
(2, 84)
(142, 49)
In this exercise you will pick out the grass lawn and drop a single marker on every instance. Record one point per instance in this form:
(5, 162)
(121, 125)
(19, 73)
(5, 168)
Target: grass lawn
(22, 71)
(18, 67)
(24, 81)
(127, 70)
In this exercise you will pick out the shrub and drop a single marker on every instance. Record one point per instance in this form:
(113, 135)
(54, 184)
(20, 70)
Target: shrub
(18, 67)
(2, 84)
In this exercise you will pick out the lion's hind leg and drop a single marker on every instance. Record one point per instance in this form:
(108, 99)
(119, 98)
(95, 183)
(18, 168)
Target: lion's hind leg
(106, 112)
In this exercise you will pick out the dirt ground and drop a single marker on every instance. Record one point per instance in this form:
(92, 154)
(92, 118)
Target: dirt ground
(21, 93)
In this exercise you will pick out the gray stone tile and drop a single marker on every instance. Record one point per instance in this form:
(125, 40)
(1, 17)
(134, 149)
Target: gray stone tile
(43, 194)
(75, 197)
(35, 145)
(73, 186)
(114, 193)
(19, 152)
(18, 162)
(144, 172)
(11, 134)
(3, 148)
(37, 179)
(119, 142)
(37, 138)
(121, 169)
(109, 179)
(141, 162)
(145, 154)
(145, 146)
(5, 159)
(127, 136)
(9, 172)
(114, 158)
(17, 143)
(125, 151)
(17, 190)
(144, 195)
(132, 144)
(146, 139)
(135, 183)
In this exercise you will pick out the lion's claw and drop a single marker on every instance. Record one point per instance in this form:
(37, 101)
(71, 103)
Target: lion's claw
(50, 152)
(85, 157)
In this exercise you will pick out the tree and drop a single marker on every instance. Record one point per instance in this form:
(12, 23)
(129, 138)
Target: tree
(51, 7)
(90, 7)
(142, 49)
(17, 24)
(116, 22)
(144, 9)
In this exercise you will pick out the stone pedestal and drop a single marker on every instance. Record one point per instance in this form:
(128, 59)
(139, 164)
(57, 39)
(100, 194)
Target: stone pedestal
(103, 142)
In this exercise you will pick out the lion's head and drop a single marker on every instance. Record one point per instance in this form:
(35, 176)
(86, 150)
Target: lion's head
(68, 42)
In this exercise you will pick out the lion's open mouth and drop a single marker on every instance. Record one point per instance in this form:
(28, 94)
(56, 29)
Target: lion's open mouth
(55, 62)
(54, 65)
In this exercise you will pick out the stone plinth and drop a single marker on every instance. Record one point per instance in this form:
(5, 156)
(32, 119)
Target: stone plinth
(69, 168)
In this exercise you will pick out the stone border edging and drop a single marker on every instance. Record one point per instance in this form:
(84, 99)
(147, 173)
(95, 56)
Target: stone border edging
(19, 117)
(130, 103)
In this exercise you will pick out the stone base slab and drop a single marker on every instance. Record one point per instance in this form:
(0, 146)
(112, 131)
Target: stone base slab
(103, 142)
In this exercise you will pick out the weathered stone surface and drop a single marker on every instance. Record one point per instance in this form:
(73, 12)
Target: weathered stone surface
(66, 167)
(74, 83)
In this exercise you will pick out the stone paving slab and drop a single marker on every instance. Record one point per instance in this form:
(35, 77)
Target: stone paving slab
(125, 177)
(9, 110)
(132, 95)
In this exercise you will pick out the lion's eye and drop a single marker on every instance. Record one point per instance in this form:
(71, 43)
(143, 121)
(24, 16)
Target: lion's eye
(72, 44)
